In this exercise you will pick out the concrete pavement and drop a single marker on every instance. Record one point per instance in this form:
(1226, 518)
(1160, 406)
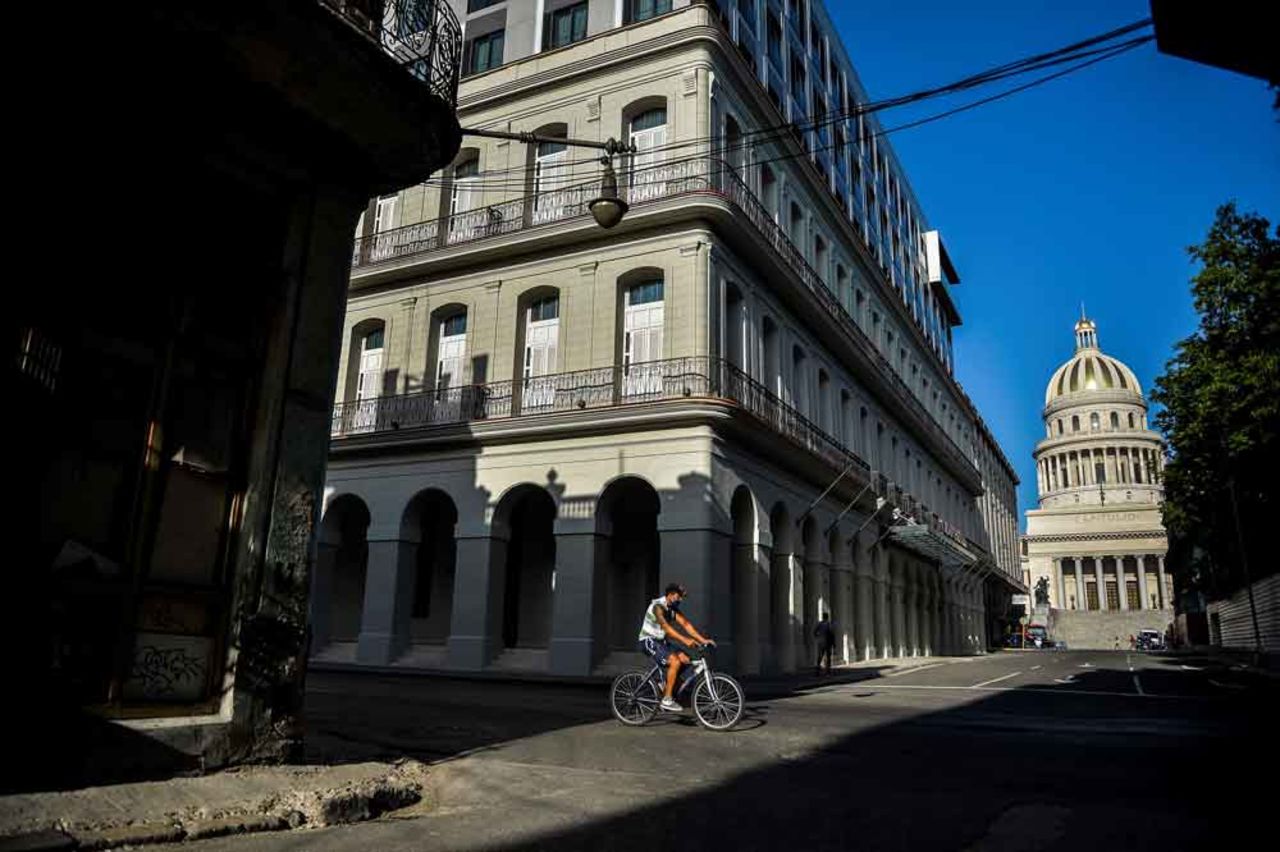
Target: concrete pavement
(1057, 750)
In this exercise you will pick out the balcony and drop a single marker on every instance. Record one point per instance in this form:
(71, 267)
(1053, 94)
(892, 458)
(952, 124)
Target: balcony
(685, 179)
(648, 383)
(423, 36)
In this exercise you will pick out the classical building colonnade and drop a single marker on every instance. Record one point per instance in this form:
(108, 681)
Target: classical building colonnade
(1128, 581)
(539, 580)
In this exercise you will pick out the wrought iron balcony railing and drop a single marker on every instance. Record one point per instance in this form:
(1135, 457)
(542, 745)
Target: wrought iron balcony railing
(421, 35)
(684, 178)
(603, 387)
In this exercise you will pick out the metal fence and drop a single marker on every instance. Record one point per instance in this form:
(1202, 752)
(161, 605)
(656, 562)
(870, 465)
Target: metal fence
(603, 387)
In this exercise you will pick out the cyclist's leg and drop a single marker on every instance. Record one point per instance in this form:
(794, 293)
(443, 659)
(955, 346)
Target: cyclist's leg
(675, 661)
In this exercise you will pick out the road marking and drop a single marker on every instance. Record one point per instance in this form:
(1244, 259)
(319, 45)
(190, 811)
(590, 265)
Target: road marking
(1042, 690)
(1067, 679)
(1222, 685)
(994, 680)
(1036, 668)
(914, 669)
(1085, 666)
(1187, 668)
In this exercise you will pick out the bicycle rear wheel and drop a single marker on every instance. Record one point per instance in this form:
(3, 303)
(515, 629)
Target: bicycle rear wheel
(720, 706)
(634, 698)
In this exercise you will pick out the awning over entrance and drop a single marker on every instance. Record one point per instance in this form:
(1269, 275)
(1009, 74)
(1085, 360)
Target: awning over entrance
(932, 545)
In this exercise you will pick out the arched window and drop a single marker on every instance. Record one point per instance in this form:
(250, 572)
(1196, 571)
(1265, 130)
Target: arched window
(464, 197)
(1095, 423)
(1130, 419)
(541, 344)
(369, 379)
(550, 176)
(769, 191)
(800, 380)
(1075, 423)
(642, 325)
(451, 350)
(647, 133)
(735, 153)
(1059, 425)
(1115, 420)
(796, 225)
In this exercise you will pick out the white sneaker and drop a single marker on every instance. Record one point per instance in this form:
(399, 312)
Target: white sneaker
(671, 705)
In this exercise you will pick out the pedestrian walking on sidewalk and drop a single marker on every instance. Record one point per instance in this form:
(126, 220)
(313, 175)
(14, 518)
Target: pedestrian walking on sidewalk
(826, 636)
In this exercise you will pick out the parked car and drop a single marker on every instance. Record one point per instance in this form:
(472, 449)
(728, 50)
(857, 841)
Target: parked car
(1150, 640)
(1037, 637)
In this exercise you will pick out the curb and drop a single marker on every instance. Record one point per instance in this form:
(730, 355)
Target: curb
(356, 802)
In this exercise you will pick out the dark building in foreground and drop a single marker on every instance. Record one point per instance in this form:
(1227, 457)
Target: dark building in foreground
(174, 377)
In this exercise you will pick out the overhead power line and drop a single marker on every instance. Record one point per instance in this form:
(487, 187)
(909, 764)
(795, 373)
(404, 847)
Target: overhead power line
(1072, 53)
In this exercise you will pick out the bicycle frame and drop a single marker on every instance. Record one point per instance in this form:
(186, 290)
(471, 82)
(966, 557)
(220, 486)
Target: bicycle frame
(700, 669)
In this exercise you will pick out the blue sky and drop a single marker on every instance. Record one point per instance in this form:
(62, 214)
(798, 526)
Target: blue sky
(1088, 188)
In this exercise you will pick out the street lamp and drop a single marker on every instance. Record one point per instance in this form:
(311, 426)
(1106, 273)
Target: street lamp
(608, 208)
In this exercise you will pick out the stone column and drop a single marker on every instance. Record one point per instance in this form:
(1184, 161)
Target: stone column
(478, 587)
(782, 636)
(580, 557)
(843, 606)
(865, 598)
(1102, 584)
(883, 608)
(1082, 601)
(1121, 589)
(687, 555)
(910, 607)
(388, 591)
(1163, 598)
(899, 615)
(1062, 583)
(1143, 601)
(747, 570)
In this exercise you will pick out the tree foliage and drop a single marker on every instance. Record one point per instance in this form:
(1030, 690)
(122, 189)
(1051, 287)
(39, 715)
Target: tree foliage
(1221, 399)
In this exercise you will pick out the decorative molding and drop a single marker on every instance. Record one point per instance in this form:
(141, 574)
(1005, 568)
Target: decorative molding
(689, 84)
(1097, 536)
(492, 285)
(588, 269)
(593, 108)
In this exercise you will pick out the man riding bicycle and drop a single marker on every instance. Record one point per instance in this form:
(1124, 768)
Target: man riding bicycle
(660, 639)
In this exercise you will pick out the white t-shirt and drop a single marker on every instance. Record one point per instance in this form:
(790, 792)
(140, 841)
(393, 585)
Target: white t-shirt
(649, 627)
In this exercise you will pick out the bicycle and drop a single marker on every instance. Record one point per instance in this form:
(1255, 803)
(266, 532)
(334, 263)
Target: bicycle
(717, 700)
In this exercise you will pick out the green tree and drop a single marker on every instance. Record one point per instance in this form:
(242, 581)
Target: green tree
(1221, 415)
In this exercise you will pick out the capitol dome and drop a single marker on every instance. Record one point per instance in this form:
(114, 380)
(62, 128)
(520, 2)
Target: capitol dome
(1090, 370)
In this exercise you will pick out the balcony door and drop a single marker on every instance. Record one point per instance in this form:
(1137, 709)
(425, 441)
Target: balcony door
(541, 344)
(465, 220)
(648, 136)
(551, 196)
(368, 382)
(642, 323)
(384, 218)
(451, 353)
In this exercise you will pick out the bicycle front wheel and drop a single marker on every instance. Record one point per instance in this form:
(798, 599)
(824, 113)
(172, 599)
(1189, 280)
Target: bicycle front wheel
(634, 698)
(718, 705)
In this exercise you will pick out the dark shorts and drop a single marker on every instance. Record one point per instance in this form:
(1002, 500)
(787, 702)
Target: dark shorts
(659, 650)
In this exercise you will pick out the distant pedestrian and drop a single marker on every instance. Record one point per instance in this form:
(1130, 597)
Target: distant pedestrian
(1117, 640)
(826, 636)
(1133, 643)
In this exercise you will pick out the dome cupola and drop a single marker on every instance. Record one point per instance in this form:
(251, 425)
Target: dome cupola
(1090, 371)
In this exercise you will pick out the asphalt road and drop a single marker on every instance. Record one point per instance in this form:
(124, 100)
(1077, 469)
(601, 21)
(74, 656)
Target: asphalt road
(1013, 751)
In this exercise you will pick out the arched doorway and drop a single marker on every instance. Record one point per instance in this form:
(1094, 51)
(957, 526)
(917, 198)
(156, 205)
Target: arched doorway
(428, 528)
(341, 565)
(627, 515)
(782, 632)
(744, 621)
(528, 514)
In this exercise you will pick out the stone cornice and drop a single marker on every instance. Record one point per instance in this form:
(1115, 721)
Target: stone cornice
(1092, 399)
(1119, 535)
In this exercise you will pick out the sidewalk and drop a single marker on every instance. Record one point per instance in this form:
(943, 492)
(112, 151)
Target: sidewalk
(235, 801)
(270, 798)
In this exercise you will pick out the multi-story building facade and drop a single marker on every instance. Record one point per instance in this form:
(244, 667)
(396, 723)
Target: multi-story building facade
(746, 385)
(1096, 544)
